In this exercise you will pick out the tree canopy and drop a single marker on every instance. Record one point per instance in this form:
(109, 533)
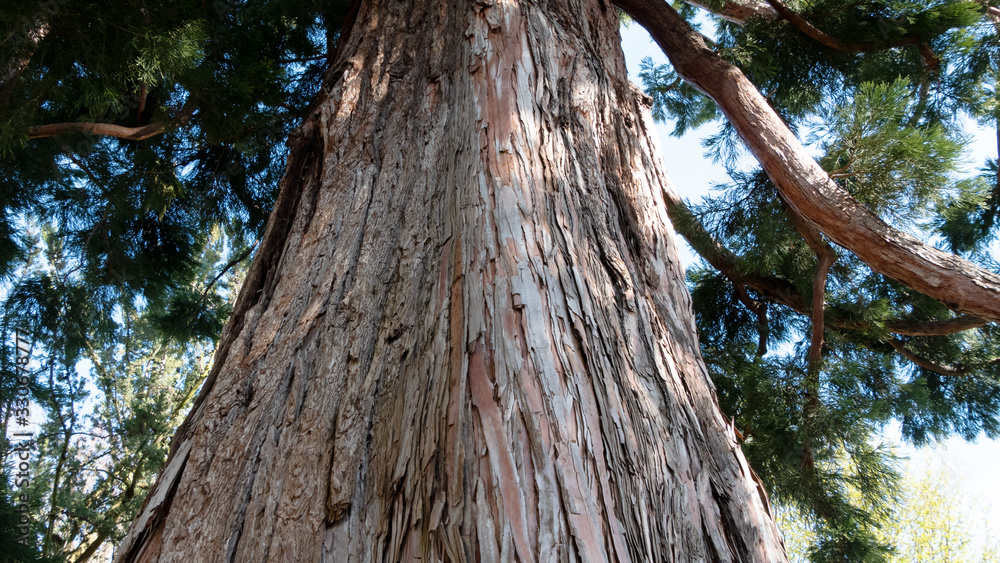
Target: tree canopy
(141, 146)
(880, 91)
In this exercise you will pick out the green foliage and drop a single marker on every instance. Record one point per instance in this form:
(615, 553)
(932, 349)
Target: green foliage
(895, 168)
(687, 107)
(938, 521)
(965, 219)
(120, 259)
(11, 546)
(934, 521)
(235, 78)
(880, 100)
(111, 392)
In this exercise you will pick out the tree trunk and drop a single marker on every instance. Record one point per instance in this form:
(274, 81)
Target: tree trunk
(466, 336)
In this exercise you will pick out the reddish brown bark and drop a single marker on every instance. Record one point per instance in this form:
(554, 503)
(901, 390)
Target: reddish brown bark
(466, 336)
(737, 11)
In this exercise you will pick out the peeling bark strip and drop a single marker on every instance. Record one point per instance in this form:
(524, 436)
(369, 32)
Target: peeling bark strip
(809, 191)
(466, 336)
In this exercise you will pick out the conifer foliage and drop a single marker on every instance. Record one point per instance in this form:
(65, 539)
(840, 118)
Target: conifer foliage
(141, 144)
(880, 89)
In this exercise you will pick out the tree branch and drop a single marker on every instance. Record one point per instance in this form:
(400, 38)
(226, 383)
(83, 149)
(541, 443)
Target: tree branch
(826, 259)
(83, 168)
(109, 130)
(102, 129)
(935, 328)
(824, 252)
(955, 282)
(900, 347)
(740, 11)
(737, 12)
(782, 291)
(809, 29)
(92, 548)
(305, 59)
(233, 262)
(724, 260)
(832, 42)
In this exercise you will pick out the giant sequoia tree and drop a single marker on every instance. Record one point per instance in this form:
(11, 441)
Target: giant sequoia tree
(465, 334)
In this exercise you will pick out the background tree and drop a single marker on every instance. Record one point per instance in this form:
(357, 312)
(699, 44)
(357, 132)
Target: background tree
(934, 519)
(131, 133)
(111, 397)
(941, 521)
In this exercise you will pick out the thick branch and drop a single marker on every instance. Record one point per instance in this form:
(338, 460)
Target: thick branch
(723, 259)
(109, 130)
(900, 347)
(824, 252)
(809, 29)
(737, 12)
(826, 259)
(102, 129)
(832, 42)
(92, 548)
(935, 328)
(782, 291)
(957, 283)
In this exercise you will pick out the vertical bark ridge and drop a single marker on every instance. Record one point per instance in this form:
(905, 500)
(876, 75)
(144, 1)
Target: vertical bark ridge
(476, 342)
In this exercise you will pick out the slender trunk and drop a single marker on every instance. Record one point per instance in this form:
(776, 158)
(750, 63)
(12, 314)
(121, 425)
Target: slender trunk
(93, 547)
(66, 434)
(466, 336)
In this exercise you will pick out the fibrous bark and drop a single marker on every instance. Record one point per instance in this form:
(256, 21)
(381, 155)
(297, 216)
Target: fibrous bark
(466, 336)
